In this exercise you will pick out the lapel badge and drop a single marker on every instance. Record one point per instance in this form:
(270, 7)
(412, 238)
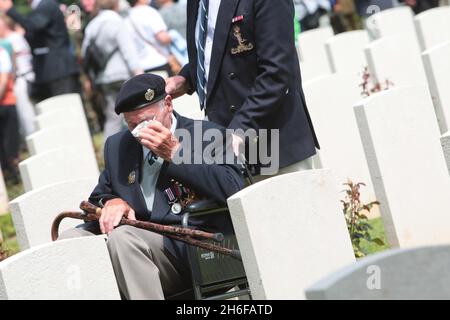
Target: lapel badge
(132, 177)
(243, 46)
(150, 94)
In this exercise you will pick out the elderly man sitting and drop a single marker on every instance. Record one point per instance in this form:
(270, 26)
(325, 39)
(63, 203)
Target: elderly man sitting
(142, 181)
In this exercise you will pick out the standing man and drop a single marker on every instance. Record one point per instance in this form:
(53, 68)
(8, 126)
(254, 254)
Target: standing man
(244, 66)
(53, 58)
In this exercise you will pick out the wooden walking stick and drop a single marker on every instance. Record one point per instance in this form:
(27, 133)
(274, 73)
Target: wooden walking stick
(186, 235)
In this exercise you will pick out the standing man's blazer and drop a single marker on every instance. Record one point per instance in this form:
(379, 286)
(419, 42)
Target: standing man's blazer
(259, 87)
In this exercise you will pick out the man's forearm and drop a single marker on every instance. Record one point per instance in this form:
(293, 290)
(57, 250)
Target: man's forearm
(17, 17)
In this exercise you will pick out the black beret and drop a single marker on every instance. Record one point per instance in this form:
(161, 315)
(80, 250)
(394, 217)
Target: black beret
(140, 91)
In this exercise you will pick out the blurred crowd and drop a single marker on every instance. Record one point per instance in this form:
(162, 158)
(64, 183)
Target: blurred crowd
(92, 47)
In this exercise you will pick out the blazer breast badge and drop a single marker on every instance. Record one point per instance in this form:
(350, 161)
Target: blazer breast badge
(243, 44)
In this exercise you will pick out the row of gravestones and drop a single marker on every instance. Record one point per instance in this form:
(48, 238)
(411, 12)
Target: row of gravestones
(336, 64)
(322, 53)
(392, 142)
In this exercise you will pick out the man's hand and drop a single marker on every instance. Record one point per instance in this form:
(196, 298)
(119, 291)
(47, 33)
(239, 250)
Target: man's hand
(176, 86)
(113, 211)
(5, 5)
(160, 140)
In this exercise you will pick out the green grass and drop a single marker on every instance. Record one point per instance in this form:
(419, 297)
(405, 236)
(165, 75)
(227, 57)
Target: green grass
(10, 243)
(376, 232)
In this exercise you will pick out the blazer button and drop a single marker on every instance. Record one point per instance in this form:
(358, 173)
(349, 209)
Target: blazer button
(232, 76)
(233, 108)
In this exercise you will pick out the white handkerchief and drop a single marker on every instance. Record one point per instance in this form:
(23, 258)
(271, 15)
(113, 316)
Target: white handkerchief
(139, 127)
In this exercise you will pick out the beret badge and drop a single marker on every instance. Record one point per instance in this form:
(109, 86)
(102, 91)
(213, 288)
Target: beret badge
(149, 95)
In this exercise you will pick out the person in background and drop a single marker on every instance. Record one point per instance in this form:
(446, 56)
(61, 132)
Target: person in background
(149, 33)
(53, 60)
(9, 132)
(174, 15)
(23, 73)
(110, 35)
(344, 17)
(419, 6)
(309, 12)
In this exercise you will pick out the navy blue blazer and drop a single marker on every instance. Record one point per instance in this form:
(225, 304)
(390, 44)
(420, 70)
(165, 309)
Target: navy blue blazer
(124, 155)
(258, 84)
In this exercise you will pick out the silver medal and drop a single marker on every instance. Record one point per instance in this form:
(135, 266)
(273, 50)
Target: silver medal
(176, 208)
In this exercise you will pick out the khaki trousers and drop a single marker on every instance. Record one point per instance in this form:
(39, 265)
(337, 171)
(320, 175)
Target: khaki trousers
(144, 269)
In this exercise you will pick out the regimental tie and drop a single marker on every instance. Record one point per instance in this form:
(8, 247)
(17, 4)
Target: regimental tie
(201, 43)
(151, 158)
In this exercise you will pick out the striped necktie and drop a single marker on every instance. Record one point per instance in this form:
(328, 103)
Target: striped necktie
(201, 42)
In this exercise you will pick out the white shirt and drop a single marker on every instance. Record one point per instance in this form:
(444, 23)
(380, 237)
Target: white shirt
(150, 173)
(5, 62)
(24, 58)
(144, 23)
(35, 3)
(213, 12)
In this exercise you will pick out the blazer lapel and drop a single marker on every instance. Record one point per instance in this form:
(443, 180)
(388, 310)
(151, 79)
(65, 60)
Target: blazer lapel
(132, 164)
(226, 13)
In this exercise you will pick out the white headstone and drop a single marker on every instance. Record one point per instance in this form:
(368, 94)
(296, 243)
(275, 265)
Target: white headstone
(69, 115)
(401, 141)
(401, 274)
(437, 66)
(336, 128)
(73, 269)
(57, 165)
(391, 22)
(345, 52)
(3, 195)
(445, 142)
(59, 102)
(33, 212)
(395, 59)
(285, 228)
(309, 72)
(188, 106)
(433, 27)
(60, 136)
(311, 47)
